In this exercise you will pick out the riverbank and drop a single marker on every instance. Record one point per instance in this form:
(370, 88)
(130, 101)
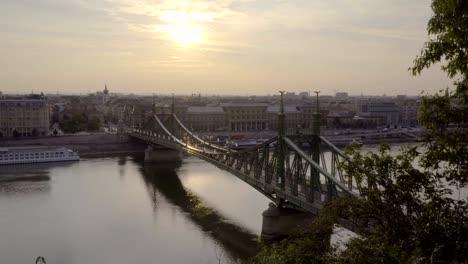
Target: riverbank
(89, 145)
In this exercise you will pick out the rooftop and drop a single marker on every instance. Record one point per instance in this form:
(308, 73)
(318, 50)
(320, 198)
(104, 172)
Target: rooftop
(205, 109)
(287, 109)
(244, 105)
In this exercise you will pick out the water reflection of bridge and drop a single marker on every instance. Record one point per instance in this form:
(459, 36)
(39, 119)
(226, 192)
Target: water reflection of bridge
(163, 178)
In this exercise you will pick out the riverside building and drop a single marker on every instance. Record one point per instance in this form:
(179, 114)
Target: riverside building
(240, 117)
(24, 116)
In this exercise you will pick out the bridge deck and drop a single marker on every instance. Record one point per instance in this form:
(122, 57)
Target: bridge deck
(259, 182)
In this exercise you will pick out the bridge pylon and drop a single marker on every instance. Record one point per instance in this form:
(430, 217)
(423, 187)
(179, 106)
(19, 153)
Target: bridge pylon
(280, 171)
(315, 184)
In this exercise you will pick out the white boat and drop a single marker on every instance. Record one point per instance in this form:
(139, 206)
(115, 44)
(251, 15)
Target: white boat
(36, 155)
(244, 144)
(357, 141)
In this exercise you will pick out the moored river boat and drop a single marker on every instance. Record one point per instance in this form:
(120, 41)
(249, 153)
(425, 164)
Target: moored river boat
(36, 155)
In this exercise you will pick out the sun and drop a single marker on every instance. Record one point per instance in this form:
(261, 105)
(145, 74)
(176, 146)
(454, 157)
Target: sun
(185, 34)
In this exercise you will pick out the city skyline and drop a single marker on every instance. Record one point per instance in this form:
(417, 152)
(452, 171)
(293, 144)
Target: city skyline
(297, 94)
(215, 47)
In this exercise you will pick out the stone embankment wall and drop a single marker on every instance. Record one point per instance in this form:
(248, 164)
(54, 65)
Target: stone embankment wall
(93, 143)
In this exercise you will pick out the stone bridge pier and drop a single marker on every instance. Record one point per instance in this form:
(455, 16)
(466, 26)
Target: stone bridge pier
(279, 222)
(157, 153)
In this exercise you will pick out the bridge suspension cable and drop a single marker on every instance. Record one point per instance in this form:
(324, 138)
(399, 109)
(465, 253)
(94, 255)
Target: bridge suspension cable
(184, 128)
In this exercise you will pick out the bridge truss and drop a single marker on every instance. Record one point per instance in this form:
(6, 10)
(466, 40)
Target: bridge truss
(299, 171)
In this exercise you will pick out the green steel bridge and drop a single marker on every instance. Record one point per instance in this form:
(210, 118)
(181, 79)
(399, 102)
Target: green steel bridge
(278, 168)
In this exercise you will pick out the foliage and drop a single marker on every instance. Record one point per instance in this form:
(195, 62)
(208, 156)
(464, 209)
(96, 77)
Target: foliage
(308, 245)
(409, 214)
(448, 29)
(79, 122)
(448, 110)
(16, 134)
(446, 113)
(40, 260)
(34, 132)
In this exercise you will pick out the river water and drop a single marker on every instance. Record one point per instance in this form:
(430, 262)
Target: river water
(119, 210)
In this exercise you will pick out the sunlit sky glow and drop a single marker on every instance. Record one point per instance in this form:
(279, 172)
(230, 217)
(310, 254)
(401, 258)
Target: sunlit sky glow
(214, 47)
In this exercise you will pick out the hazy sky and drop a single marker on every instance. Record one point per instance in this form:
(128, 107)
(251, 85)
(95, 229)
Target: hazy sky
(214, 46)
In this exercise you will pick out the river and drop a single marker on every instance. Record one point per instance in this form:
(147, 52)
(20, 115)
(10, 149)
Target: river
(119, 210)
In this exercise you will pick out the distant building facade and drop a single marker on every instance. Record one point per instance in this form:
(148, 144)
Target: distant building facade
(24, 117)
(409, 111)
(293, 117)
(246, 117)
(387, 112)
(206, 118)
(341, 96)
(239, 117)
(251, 117)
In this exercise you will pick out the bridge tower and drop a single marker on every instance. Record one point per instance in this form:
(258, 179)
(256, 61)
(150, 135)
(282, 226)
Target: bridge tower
(278, 220)
(171, 118)
(280, 177)
(159, 153)
(315, 149)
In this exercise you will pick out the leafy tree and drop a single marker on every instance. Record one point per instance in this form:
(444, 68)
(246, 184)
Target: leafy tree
(79, 122)
(308, 244)
(406, 216)
(409, 214)
(16, 134)
(446, 113)
(94, 124)
(336, 122)
(34, 132)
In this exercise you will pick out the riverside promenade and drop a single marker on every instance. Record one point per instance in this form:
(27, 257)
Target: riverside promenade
(86, 144)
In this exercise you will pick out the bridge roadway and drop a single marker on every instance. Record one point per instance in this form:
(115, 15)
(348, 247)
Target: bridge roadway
(277, 168)
(374, 135)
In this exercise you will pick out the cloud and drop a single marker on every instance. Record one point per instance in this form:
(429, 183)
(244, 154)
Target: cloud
(220, 50)
(184, 17)
(164, 17)
(170, 10)
(332, 43)
(243, 22)
(377, 18)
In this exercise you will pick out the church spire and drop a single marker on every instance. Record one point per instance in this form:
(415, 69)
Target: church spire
(105, 89)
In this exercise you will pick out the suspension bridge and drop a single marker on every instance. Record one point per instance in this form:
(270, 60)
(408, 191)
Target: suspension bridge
(279, 168)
